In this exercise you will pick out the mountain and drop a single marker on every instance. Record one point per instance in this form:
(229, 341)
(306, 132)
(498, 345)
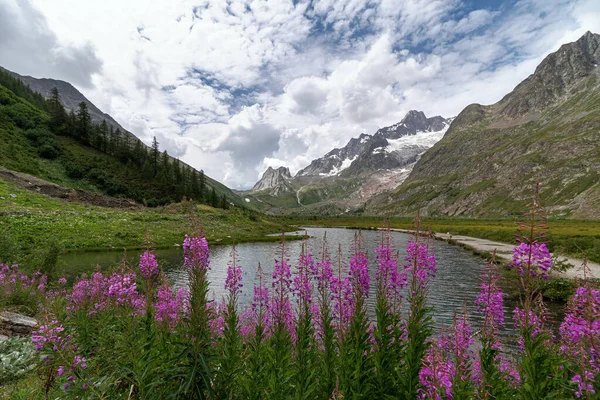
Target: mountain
(391, 147)
(546, 130)
(40, 138)
(70, 97)
(345, 178)
(274, 180)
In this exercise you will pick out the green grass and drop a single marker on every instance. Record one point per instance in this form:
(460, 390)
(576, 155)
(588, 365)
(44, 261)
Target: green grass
(32, 220)
(567, 237)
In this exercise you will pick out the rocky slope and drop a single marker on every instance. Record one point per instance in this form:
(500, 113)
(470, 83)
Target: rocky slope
(69, 96)
(391, 147)
(345, 178)
(546, 130)
(275, 181)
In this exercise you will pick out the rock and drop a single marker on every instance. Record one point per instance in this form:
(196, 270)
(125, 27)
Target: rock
(13, 324)
(545, 130)
(3, 338)
(12, 195)
(274, 180)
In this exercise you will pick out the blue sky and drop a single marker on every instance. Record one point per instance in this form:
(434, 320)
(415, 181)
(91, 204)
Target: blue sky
(234, 86)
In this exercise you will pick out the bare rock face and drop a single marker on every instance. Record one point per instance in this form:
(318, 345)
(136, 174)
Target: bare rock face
(13, 324)
(275, 180)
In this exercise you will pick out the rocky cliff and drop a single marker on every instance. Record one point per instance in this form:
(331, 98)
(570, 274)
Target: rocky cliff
(546, 130)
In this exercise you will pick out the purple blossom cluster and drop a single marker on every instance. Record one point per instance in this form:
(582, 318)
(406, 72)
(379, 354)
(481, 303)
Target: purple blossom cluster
(148, 265)
(98, 292)
(12, 280)
(280, 306)
(302, 283)
(195, 253)
(533, 259)
(51, 335)
(435, 376)
(420, 263)
(233, 282)
(391, 279)
(580, 334)
(169, 305)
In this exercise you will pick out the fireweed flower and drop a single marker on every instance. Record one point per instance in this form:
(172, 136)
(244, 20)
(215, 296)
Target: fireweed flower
(580, 337)
(419, 263)
(391, 280)
(489, 302)
(233, 282)
(359, 274)
(196, 253)
(50, 337)
(435, 375)
(148, 265)
(302, 284)
(534, 257)
(280, 307)
(169, 306)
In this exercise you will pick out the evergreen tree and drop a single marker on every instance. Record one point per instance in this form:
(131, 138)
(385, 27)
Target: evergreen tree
(103, 136)
(84, 123)
(224, 204)
(201, 186)
(112, 140)
(214, 200)
(58, 116)
(154, 155)
(71, 125)
(177, 172)
(138, 153)
(194, 186)
(164, 173)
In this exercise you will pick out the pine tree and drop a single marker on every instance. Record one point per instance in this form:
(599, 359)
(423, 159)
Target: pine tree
(58, 116)
(84, 123)
(154, 155)
(214, 200)
(201, 187)
(113, 140)
(103, 136)
(194, 185)
(165, 176)
(224, 204)
(71, 124)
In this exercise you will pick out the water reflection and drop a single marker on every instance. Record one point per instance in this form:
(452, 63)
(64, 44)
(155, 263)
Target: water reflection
(454, 288)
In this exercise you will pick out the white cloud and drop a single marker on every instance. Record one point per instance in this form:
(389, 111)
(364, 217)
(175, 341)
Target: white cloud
(235, 86)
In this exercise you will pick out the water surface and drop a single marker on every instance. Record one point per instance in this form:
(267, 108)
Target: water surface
(453, 290)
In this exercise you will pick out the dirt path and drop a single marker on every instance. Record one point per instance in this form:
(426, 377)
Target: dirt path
(504, 253)
(34, 184)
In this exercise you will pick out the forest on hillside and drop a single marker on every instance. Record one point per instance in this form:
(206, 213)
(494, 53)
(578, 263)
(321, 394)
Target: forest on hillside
(45, 140)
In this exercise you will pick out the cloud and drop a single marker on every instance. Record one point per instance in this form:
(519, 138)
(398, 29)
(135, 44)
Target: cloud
(233, 87)
(29, 47)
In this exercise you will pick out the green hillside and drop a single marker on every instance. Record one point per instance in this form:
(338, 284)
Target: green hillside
(41, 139)
(547, 130)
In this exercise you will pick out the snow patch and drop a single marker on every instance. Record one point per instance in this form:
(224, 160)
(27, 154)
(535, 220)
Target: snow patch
(427, 139)
(247, 200)
(336, 170)
(365, 139)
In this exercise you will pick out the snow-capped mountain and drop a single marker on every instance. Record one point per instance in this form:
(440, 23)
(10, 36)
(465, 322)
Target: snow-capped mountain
(344, 179)
(392, 147)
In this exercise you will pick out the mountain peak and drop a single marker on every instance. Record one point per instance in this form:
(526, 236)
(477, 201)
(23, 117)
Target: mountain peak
(274, 178)
(414, 116)
(557, 75)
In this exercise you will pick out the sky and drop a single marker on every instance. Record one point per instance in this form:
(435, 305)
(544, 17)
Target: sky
(235, 86)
